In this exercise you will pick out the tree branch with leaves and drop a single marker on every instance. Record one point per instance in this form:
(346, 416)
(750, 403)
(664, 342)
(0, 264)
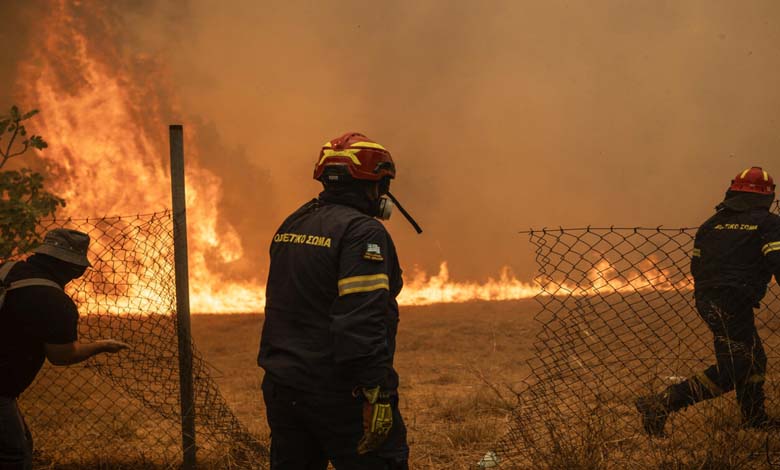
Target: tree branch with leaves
(23, 200)
(13, 124)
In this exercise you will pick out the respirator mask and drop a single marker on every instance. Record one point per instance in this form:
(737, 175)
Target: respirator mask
(384, 208)
(386, 203)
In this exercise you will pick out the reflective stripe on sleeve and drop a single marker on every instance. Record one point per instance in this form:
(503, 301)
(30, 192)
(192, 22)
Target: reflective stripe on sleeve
(770, 247)
(697, 252)
(711, 386)
(756, 379)
(351, 285)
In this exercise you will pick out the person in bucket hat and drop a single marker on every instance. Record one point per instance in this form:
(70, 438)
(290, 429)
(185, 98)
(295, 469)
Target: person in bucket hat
(39, 321)
(66, 245)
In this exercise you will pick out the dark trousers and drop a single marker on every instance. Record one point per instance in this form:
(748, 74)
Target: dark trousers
(739, 355)
(15, 439)
(308, 430)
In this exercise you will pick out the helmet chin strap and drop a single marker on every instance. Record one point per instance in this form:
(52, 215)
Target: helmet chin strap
(403, 211)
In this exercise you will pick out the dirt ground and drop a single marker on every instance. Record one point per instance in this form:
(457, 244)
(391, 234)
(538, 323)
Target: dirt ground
(445, 355)
(452, 359)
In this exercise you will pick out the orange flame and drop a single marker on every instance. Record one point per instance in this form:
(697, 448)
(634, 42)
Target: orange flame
(424, 290)
(106, 158)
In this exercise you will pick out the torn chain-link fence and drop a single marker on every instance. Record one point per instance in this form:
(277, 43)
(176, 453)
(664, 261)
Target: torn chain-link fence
(122, 410)
(618, 322)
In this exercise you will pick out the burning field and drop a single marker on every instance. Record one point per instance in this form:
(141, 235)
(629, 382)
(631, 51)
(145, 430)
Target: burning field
(105, 124)
(108, 78)
(500, 117)
(121, 75)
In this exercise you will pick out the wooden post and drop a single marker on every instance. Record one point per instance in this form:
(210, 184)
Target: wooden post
(182, 297)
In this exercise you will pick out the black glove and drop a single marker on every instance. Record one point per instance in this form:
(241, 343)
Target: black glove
(377, 418)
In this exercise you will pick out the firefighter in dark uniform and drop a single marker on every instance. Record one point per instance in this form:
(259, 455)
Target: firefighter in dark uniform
(331, 318)
(735, 254)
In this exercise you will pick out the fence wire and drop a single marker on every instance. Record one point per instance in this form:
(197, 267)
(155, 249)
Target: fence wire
(617, 322)
(122, 410)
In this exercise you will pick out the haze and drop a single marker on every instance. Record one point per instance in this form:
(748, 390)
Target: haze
(501, 115)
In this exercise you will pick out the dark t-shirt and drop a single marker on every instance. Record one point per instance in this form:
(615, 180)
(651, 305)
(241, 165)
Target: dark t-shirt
(30, 318)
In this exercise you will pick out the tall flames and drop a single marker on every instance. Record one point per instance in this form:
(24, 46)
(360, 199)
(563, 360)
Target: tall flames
(106, 154)
(107, 157)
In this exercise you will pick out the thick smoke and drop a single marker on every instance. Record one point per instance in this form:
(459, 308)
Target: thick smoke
(502, 115)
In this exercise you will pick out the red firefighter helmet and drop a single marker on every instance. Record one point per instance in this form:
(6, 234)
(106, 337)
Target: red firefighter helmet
(355, 156)
(753, 180)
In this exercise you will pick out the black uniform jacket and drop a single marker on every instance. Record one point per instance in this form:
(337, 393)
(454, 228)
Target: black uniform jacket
(738, 249)
(331, 316)
(30, 318)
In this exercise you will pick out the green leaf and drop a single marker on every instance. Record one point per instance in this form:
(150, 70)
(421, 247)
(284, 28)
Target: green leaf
(4, 125)
(29, 114)
(37, 142)
(15, 113)
(23, 202)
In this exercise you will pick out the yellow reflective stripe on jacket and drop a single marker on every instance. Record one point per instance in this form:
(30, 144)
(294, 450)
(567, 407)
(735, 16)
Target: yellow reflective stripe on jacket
(697, 252)
(770, 247)
(351, 285)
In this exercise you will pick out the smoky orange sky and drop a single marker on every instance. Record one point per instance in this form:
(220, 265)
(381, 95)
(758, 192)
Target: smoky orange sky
(501, 115)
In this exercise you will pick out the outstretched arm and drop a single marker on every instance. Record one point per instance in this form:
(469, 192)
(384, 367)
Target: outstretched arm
(75, 352)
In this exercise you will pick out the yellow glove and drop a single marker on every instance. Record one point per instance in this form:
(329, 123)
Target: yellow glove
(377, 419)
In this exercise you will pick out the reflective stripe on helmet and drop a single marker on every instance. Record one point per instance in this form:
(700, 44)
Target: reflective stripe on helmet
(357, 155)
(753, 180)
(351, 154)
(371, 145)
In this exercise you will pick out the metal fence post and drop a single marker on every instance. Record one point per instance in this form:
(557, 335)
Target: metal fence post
(182, 297)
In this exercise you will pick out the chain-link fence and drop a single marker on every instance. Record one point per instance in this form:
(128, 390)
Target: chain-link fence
(618, 322)
(122, 410)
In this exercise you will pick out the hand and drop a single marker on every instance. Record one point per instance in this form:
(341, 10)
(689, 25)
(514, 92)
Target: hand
(377, 419)
(112, 346)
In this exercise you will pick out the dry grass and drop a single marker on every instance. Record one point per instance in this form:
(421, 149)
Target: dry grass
(458, 366)
(445, 355)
